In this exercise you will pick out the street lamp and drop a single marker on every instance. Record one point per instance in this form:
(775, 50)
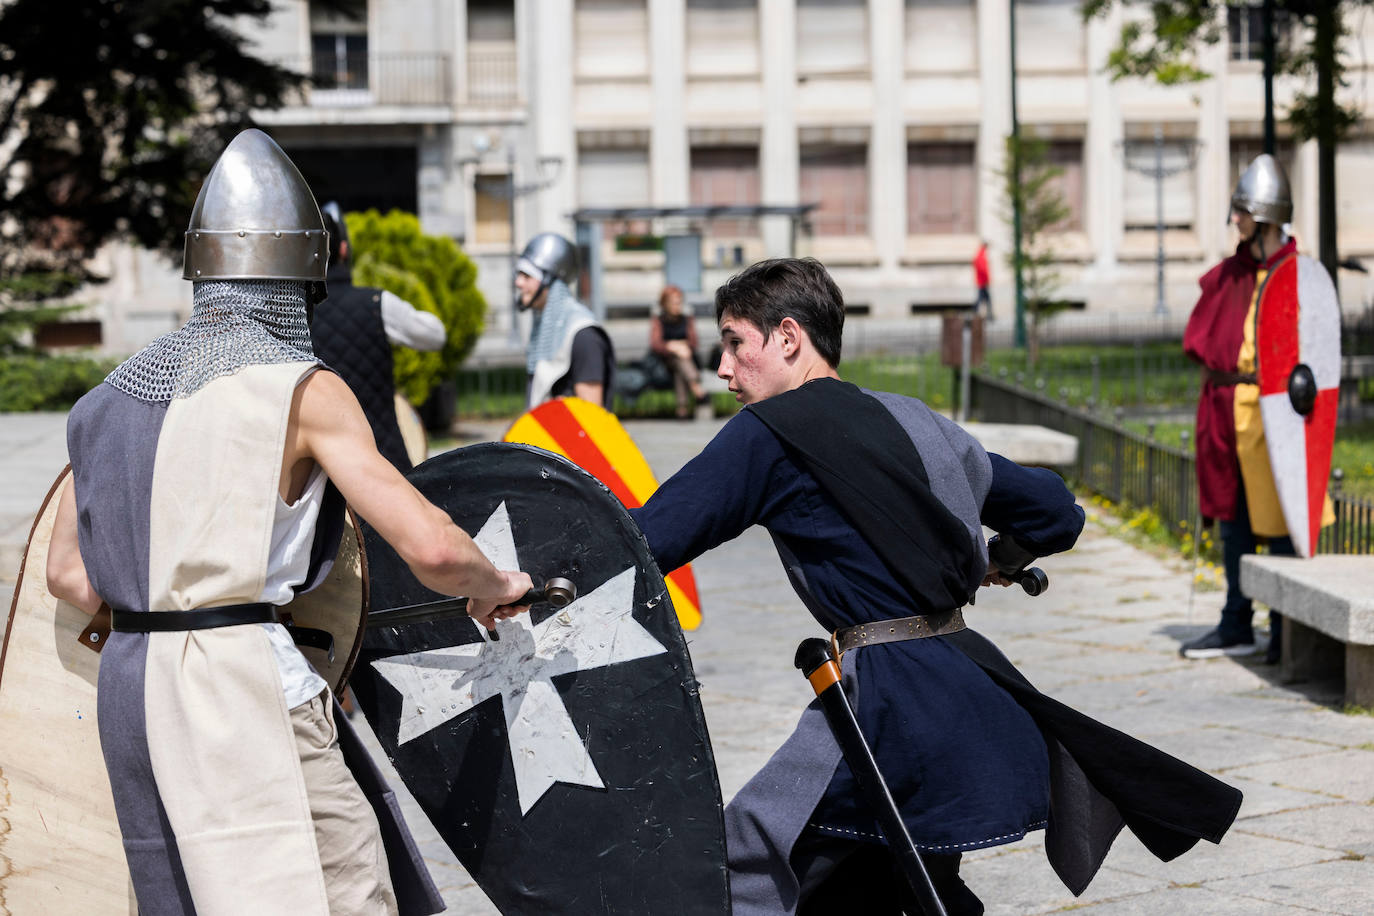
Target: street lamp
(548, 168)
(1155, 167)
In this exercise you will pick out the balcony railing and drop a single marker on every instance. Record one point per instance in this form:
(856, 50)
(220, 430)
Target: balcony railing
(493, 78)
(343, 80)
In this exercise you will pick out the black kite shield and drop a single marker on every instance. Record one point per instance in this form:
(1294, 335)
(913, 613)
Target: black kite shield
(566, 764)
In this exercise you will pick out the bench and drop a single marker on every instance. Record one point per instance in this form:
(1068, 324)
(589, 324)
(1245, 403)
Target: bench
(1327, 603)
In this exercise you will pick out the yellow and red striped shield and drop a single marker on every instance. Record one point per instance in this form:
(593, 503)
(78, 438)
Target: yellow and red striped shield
(592, 438)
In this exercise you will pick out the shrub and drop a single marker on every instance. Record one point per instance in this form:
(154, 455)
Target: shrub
(33, 381)
(430, 272)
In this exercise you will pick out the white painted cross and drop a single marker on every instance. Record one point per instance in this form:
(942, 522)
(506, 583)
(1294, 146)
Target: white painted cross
(594, 631)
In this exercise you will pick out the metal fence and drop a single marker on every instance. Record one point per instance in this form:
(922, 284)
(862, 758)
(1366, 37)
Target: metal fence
(1139, 471)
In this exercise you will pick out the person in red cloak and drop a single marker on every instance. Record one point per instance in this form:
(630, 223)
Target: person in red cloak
(1215, 338)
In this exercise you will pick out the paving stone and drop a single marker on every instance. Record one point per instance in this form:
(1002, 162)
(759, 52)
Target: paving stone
(1341, 886)
(1237, 855)
(1344, 827)
(1172, 901)
(1347, 774)
(1222, 750)
(1262, 798)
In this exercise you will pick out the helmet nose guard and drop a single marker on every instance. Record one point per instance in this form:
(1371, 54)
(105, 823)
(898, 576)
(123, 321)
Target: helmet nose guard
(255, 219)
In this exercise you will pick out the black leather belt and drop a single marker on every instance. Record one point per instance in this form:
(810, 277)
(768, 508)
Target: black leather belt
(898, 629)
(229, 615)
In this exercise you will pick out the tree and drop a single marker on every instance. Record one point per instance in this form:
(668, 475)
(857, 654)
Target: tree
(431, 273)
(1163, 46)
(1043, 210)
(111, 113)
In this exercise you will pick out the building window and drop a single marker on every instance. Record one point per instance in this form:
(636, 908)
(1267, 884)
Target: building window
(611, 39)
(1049, 36)
(491, 210)
(1245, 149)
(941, 36)
(726, 176)
(941, 189)
(836, 178)
(492, 74)
(832, 38)
(722, 38)
(1067, 156)
(338, 47)
(1245, 28)
(614, 177)
(1141, 206)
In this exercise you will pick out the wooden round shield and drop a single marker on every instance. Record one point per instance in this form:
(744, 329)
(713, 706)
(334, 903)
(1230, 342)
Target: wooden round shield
(60, 848)
(567, 763)
(1298, 346)
(412, 431)
(59, 841)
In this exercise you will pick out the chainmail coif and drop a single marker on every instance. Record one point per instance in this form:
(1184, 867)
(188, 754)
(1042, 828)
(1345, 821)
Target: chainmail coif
(234, 323)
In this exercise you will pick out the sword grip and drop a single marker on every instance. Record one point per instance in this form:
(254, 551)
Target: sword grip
(1013, 561)
(556, 591)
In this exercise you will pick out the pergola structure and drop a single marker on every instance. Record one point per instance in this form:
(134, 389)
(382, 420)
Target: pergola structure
(589, 220)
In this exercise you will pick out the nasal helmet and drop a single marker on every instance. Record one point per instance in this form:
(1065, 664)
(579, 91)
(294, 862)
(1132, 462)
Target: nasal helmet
(255, 219)
(1263, 192)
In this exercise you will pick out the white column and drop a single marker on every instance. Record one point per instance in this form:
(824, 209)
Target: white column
(551, 108)
(668, 179)
(458, 54)
(887, 139)
(1103, 161)
(994, 123)
(778, 151)
(1214, 160)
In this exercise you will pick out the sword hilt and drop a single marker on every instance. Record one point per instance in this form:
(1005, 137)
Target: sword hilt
(556, 591)
(1013, 561)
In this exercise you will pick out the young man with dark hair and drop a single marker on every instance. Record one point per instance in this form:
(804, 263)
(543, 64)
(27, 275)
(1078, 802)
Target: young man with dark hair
(876, 505)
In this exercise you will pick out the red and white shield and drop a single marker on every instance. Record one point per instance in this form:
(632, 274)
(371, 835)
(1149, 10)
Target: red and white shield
(1298, 344)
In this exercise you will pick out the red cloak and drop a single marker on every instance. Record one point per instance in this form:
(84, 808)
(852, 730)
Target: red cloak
(1213, 338)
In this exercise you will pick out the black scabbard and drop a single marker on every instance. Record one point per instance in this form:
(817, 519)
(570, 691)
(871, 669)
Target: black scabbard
(815, 661)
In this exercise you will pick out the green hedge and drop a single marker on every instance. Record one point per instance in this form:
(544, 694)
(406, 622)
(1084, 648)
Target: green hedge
(431, 273)
(32, 381)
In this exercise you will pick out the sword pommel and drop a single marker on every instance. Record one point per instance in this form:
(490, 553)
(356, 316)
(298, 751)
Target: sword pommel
(559, 592)
(812, 654)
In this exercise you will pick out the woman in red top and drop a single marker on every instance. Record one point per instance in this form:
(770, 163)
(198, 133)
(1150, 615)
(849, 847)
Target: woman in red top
(673, 338)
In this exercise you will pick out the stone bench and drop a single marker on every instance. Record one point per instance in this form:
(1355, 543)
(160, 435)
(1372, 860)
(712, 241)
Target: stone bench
(1026, 444)
(1327, 603)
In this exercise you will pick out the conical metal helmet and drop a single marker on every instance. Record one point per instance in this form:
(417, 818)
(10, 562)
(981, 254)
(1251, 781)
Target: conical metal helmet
(1263, 192)
(552, 256)
(255, 219)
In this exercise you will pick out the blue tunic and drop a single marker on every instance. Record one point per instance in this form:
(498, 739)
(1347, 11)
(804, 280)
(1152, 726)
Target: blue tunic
(965, 762)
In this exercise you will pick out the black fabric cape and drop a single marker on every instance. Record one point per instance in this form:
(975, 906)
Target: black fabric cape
(1101, 779)
(862, 457)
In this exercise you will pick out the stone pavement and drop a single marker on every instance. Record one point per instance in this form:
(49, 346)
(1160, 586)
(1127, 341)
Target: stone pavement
(1104, 638)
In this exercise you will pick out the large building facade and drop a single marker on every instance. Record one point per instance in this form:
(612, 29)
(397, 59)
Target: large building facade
(888, 115)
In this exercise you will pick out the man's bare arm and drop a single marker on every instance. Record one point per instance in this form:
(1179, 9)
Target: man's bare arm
(589, 391)
(329, 426)
(66, 570)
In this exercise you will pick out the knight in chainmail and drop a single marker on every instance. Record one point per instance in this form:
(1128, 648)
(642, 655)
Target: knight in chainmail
(209, 474)
(234, 323)
(569, 352)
